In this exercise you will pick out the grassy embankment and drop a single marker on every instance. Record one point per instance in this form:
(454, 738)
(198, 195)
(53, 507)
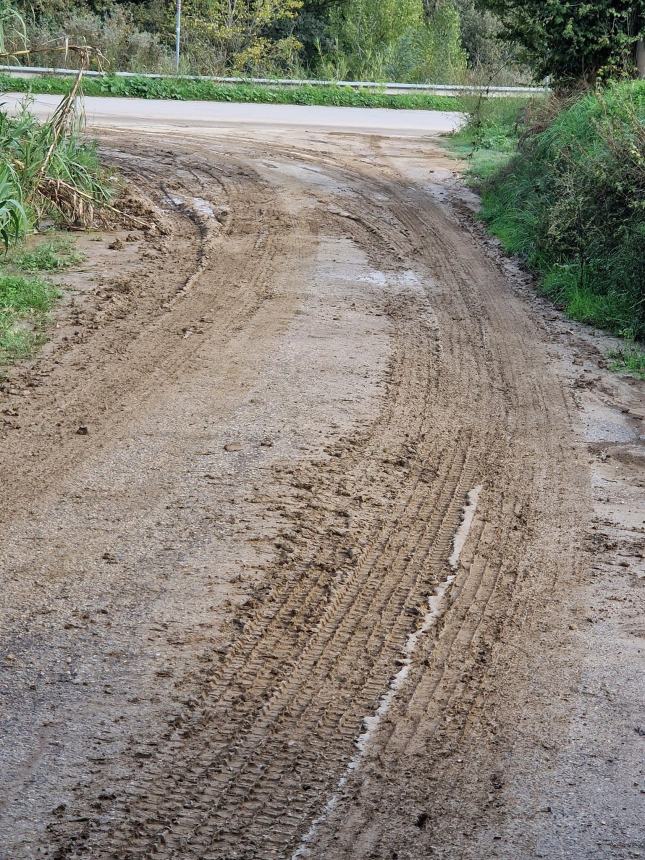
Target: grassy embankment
(180, 89)
(563, 187)
(49, 177)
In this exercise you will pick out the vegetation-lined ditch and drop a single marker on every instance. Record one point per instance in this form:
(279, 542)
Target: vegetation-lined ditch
(563, 187)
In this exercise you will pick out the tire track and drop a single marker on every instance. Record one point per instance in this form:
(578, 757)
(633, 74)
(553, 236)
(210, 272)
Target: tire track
(223, 781)
(441, 714)
(261, 742)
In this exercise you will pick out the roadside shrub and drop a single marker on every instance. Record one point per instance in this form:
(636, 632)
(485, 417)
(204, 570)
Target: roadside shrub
(572, 203)
(394, 40)
(489, 138)
(366, 33)
(13, 36)
(46, 171)
(121, 43)
(13, 218)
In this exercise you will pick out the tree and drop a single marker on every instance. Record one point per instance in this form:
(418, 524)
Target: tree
(480, 38)
(235, 34)
(367, 31)
(311, 29)
(574, 42)
(411, 40)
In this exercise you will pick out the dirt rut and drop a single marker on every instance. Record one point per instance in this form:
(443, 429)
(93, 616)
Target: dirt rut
(309, 374)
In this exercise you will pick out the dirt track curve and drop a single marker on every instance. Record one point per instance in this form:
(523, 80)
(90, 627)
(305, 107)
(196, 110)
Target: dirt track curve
(233, 482)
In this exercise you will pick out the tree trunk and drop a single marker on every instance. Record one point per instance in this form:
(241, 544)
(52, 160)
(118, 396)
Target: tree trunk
(640, 58)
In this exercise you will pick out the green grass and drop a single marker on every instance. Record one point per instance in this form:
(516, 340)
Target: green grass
(493, 123)
(49, 256)
(180, 89)
(24, 306)
(489, 139)
(629, 360)
(13, 218)
(25, 301)
(21, 295)
(563, 187)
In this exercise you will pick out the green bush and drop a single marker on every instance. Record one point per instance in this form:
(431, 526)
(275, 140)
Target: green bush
(490, 137)
(430, 52)
(123, 46)
(572, 204)
(395, 40)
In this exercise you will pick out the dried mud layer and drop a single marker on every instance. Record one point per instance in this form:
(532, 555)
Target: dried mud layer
(322, 536)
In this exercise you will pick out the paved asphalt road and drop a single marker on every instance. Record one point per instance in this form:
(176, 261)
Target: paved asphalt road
(137, 112)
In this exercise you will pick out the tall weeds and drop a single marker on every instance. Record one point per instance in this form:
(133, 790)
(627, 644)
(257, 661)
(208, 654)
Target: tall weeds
(13, 218)
(46, 169)
(47, 173)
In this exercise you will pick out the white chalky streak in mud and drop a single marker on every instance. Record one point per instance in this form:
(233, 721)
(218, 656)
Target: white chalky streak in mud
(203, 207)
(436, 607)
(199, 205)
(462, 532)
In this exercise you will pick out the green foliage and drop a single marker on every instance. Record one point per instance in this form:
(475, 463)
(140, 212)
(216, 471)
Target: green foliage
(182, 89)
(217, 35)
(479, 30)
(13, 218)
(45, 168)
(488, 141)
(574, 42)
(630, 360)
(49, 256)
(366, 33)
(396, 40)
(493, 124)
(431, 52)
(311, 28)
(13, 35)
(123, 45)
(24, 303)
(413, 40)
(572, 204)
(25, 295)
(236, 35)
(44, 171)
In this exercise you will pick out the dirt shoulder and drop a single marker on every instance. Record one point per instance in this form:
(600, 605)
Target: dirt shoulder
(287, 399)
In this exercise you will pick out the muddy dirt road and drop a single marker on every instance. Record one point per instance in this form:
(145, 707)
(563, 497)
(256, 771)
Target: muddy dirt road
(322, 535)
